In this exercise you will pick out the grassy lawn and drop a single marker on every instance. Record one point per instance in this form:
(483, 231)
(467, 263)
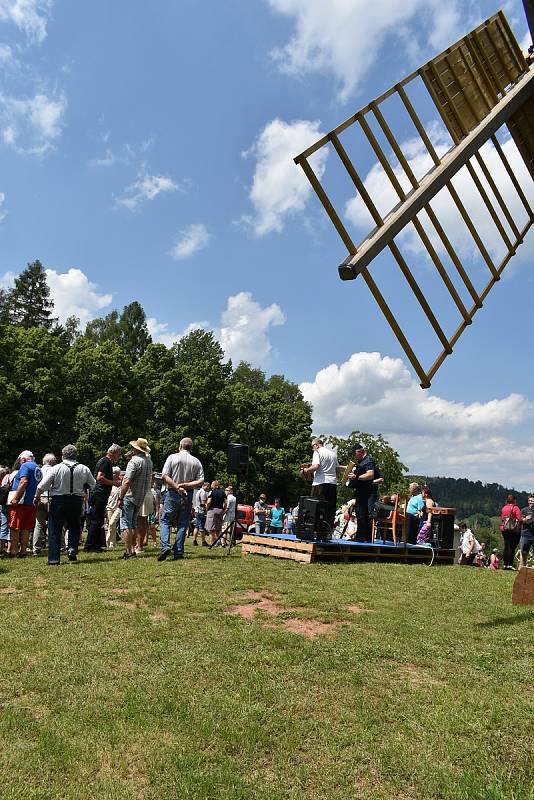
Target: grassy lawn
(141, 680)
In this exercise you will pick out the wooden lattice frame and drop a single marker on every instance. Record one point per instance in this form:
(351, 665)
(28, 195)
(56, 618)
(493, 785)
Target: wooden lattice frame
(480, 83)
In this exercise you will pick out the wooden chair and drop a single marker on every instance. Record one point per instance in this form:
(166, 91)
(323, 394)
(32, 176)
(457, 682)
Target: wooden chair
(395, 522)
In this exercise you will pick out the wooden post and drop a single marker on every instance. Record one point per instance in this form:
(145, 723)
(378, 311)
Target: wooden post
(523, 591)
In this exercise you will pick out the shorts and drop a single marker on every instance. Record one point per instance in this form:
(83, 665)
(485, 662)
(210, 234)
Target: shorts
(22, 518)
(128, 515)
(214, 520)
(526, 543)
(200, 522)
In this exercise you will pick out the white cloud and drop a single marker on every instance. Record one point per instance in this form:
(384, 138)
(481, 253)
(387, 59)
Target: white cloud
(30, 16)
(6, 54)
(190, 240)
(30, 125)
(385, 197)
(3, 212)
(245, 326)
(279, 187)
(7, 280)
(345, 37)
(146, 187)
(434, 436)
(161, 333)
(243, 332)
(74, 294)
(126, 155)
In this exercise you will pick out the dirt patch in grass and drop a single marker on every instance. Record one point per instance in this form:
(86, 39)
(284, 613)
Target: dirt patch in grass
(310, 628)
(159, 616)
(120, 591)
(260, 601)
(356, 609)
(9, 590)
(252, 594)
(415, 675)
(28, 702)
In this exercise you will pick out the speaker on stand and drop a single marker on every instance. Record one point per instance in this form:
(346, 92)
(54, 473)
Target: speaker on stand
(237, 459)
(237, 465)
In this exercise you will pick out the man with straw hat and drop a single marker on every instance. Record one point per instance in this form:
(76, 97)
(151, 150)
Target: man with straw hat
(136, 483)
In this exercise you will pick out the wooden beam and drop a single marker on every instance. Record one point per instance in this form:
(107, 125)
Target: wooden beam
(435, 181)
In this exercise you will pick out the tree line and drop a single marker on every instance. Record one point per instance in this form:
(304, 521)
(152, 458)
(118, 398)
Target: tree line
(473, 497)
(112, 383)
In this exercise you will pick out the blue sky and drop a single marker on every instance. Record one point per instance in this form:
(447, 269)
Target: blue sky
(146, 153)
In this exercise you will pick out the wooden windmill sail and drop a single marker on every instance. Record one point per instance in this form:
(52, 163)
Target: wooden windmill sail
(478, 85)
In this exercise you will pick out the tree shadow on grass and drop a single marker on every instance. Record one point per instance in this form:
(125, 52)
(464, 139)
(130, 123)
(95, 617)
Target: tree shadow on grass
(497, 621)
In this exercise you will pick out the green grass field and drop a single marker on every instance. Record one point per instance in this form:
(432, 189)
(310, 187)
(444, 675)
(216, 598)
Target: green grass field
(140, 680)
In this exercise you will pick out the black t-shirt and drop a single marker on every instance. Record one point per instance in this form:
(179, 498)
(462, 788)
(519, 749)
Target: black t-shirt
(364, 488)
(528, 527)
(105, 466)
(218, 496)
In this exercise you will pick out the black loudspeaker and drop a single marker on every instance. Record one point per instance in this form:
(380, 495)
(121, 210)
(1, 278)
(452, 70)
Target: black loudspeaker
(237, 458)
(442, 531)
(312, 520)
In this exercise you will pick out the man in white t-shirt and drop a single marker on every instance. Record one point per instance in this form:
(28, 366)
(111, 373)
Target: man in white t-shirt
(469, 544)
(324, 468)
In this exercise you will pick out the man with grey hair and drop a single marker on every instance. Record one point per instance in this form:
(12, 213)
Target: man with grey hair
(21, 514)
(182, 473)
(66, 484)
(105, 480)
(39, 532)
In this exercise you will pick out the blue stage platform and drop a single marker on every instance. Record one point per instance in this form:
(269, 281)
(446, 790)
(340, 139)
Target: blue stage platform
(284, 545)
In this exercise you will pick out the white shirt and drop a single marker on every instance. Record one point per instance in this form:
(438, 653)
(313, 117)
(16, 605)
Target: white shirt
(182, 467)
(229, 514)
(328, 465)
(466, 541)
(45, 469)
(58, 479)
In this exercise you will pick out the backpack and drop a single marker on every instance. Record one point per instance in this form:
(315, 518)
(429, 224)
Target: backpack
(511, 524)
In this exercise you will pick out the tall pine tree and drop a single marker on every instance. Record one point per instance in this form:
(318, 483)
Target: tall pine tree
(135, 337)
(29, 302)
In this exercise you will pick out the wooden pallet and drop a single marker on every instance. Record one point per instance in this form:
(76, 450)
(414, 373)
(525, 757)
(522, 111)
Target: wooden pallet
(278, 548)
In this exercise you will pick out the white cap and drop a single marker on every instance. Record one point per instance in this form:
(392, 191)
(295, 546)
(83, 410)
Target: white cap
(26, 454)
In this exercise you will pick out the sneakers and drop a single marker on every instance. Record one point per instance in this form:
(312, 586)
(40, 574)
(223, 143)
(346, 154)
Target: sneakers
(125, 556)
(205, 544)
(163, 555)
(177, 556)
(195, 543)
(71, 555)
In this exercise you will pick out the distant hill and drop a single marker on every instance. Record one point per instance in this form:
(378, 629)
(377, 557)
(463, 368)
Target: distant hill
(472, 497)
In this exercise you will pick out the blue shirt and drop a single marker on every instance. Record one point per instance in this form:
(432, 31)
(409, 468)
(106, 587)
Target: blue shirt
(277, 517)
(32, 472)
(415, 504)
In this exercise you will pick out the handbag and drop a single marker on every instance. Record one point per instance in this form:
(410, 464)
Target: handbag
(11, 498)
(4, 494)
(511, 523)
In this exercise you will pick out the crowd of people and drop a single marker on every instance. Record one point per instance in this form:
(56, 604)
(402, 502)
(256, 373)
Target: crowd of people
(55, 501)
